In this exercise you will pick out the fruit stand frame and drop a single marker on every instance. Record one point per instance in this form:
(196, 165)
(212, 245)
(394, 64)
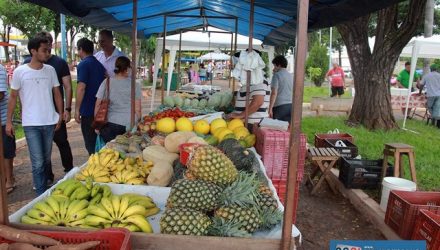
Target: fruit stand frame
(162, 241)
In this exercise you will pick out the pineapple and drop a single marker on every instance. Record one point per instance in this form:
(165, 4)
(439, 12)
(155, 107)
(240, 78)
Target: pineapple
(267, 201)
(197, 194)
(205, 196)
(264, 189)
(182, 221)
(249, 218)
(210, 164)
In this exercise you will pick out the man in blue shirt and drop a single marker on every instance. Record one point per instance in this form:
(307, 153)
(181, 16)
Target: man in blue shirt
(90, 74)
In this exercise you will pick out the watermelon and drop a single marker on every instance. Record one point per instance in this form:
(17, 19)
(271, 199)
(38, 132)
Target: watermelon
(194, 103)
(214, 101)
(203, 103)
(168, 101)
(178, 101)
(226, 99)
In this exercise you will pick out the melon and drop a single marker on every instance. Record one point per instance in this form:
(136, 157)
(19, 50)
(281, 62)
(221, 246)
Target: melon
(168, 101)
(178, 101)
(187, 102)
(194, 103)
(203, 103)
(226, 99)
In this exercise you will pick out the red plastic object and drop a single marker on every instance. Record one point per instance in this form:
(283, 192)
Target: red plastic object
(185, 151)
(428, 228)
(404, 208)
(111, 239)
(273, 146)
(320, 139)
(281, 188)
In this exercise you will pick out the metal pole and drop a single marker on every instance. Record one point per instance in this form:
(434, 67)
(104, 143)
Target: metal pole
(63, 36)
(163, 56)
(295, 124)
(320, 35)
(178, 59)
(330, 58)
(133, 63)
(248, 73)
(235, 50)
(230, 61)
(3, 194)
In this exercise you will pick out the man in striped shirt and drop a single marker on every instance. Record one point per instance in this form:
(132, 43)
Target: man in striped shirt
(259, 100)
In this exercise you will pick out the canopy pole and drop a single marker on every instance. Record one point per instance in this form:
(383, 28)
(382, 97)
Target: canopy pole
(415, 55)
(248, 73)
(235, 50)
(3, 195)
(230, 60)
(133, 65)
(163, 56)
(295, 124)
(178, 59)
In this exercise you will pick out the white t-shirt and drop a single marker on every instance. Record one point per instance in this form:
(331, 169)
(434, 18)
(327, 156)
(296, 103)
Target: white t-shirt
(35, 89)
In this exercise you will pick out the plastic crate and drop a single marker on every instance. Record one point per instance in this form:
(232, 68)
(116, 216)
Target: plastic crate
(281, 187)
(428, 228)
(350, 151)
(362, 174)
(273, 146)
(320, 138)
(404, 208)
(111, 239)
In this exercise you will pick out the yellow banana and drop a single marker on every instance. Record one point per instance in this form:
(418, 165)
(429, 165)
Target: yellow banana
(72, 204)
(132, 210)
(39, 215)
(99, 211)
(132, 228)
(116, 202)
(53, 203)
(80, 205)
(139, 221)
(135, 181)
(114, 179)
(130, 175)
(93, 220)
(124, 204)
(59, 197)
(116, 154)
(44, 207)
(63, 209)
(120, 167)
(152, 211)
(96, 159)
(106, 203)
(103, 179)
(77, 223)
(144, 202)
(28, 220)
(118, 176)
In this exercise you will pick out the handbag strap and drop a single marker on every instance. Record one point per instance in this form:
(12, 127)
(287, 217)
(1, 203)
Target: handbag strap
(107, 85)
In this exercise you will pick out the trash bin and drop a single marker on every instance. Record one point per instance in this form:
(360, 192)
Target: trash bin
(173, 82)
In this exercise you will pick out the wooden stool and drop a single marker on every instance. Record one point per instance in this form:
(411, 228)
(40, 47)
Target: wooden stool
(323, 159)
(396, 150)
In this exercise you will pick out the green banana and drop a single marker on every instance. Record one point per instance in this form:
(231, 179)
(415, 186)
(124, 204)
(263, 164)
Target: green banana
(54, 204)
(78, 215)
(77, 223)
(93, 220)
(76, 206)
(65, 184)
(38, 215)
(99, 211)
(89, 183)
(132, 228)
(139, 221)
(95, 190)
(116, 202)
(80, 193)
(106, 191)
(57, 191)
(71, 188)
(59, 197)
(132, 210)
(96, 199)
(63, 209)
(72, 204)
(106, 203)
(44, 207)
(28, 220)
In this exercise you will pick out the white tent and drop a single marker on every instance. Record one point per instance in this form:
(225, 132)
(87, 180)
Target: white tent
(197, 41)
(419, 48)
(214, 56)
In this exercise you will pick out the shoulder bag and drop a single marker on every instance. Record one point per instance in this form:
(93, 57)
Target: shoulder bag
(101, 116)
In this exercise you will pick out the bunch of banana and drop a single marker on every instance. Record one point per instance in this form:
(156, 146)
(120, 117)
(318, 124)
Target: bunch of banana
(58, 212)
(128, 211)
(75, 190)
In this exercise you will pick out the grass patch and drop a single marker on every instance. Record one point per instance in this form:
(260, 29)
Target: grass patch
(313, 91)
(74, 84)
(19, 132)
(371, 143)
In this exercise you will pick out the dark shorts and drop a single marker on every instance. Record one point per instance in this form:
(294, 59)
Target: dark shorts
(8, 145)
(337, 91)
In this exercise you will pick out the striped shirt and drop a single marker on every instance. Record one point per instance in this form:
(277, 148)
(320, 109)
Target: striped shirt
(4, 89)
(255, 90)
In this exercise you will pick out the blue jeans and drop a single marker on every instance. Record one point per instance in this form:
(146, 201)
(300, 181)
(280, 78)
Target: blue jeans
(39, 141)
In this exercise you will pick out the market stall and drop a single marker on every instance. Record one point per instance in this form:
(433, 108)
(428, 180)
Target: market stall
(270, 26)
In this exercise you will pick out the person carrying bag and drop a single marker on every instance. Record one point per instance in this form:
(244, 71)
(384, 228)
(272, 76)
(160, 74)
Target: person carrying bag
(101, 115)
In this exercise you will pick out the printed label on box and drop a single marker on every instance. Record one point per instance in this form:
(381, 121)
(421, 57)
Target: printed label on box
(377, 245)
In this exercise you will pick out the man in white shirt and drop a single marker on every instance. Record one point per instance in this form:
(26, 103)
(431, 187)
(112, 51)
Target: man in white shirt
(431, 82)
(109, 53)
(37, 84)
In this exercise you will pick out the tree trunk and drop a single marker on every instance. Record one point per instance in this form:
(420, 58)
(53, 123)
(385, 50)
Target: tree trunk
(5, 36)
(372, 69)
(339, 56)
(428, 27)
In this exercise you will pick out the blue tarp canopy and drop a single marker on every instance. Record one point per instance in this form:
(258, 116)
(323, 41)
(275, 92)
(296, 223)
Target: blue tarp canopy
(274, 20)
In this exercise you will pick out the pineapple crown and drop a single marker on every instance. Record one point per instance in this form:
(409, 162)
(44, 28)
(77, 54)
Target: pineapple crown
(242, 192)
(221, 227)
(269, 217)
